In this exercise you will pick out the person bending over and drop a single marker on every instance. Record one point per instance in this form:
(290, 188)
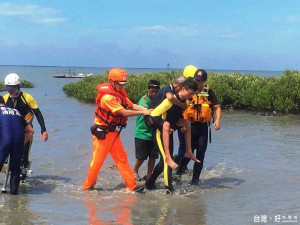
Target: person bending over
(14, 134)
(166, 118)
(28, 107)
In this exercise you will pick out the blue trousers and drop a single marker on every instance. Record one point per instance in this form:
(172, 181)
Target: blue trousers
(12, 142)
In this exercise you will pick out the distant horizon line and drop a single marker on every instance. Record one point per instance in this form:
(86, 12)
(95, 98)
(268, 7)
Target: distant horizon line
(147, 68)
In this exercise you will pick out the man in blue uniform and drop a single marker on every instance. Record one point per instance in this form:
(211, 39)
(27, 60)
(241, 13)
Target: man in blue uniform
(14, 133)
(27, 106)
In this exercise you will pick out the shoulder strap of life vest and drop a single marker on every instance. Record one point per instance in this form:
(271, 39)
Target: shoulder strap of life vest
(104, 89)
(205, 92)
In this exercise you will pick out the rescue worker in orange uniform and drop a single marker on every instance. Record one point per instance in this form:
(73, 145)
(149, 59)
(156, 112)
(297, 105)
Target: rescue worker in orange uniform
(113, 108)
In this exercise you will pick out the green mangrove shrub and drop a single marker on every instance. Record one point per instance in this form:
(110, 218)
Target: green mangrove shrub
(85, 90)
(23, 84)
(253, 92)
(233, 90)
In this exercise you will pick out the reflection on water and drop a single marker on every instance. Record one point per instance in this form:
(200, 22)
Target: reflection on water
(152, 208)
(158, 208)
(10, 206)
(114, 211)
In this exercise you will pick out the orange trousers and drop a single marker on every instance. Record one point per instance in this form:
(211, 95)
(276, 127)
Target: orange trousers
(111, 144)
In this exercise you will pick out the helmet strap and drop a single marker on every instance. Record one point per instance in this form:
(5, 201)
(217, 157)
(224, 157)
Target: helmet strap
(113, 84)
(16, 95)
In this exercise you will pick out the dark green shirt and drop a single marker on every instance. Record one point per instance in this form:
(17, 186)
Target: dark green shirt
(142, 131)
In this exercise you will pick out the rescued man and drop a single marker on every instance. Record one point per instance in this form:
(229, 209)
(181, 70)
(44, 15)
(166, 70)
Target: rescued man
(166, 118)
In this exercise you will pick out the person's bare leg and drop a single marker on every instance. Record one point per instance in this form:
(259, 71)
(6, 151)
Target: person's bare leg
(166, 138)
(151, 164)
(187, 136)
(138, 163)
(188, 149)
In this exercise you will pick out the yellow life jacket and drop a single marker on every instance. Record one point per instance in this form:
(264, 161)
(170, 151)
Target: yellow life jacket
(199, 108)
(24, 103)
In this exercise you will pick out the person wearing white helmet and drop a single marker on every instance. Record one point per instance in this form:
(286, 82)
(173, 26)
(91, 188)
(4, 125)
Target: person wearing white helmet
(28, 107)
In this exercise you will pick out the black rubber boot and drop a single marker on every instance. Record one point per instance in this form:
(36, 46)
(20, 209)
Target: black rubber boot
(169, 189)
(150, 186)
(138, 189)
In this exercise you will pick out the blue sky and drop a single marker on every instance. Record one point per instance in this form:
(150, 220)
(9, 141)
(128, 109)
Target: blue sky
(215, 34)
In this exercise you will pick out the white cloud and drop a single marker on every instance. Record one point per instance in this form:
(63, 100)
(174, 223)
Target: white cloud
(179, 30)
(294, 33)
(286, 19)
(33, 13)
(52, 20)
(182, 31)
(293, 19)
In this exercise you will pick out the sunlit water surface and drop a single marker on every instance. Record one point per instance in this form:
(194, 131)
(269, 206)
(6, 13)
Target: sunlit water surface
(251, 170)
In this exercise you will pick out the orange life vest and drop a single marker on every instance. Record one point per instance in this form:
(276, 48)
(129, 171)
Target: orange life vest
(199, 108)
(107, 116)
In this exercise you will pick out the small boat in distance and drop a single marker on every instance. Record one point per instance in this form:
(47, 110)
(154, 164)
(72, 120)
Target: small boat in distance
(71, 74)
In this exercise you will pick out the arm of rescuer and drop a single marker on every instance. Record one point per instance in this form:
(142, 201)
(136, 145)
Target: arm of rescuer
(172, 98)
(218, 111)
(40, 119)
(30, 101)
(134, 110)
(28, 130)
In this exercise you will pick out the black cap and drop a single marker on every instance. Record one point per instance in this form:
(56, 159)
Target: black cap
(153, 84)
(200, 75)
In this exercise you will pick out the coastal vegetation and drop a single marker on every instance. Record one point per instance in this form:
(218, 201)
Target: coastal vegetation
(233, 90)
(23, 84)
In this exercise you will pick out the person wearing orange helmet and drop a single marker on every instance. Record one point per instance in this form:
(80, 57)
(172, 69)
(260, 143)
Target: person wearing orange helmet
(111, 113)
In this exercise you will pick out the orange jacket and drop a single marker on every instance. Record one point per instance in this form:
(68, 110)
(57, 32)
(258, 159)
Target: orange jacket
(105, 114)
(200, 108)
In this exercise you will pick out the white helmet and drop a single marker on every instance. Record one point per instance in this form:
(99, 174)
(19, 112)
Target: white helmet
(12, 79)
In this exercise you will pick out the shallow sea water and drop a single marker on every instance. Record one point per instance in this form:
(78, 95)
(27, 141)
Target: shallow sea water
(251, 171)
